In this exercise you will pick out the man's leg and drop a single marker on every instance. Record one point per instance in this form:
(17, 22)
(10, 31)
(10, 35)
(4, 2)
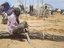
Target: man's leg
(28, 38)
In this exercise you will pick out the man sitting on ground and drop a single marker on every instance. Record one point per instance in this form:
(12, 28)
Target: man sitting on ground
(13, 22)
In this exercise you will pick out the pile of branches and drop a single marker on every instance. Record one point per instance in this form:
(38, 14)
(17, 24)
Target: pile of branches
(35, 35)
(23, 28)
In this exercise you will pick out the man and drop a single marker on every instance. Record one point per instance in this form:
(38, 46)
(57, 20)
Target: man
(13, 22)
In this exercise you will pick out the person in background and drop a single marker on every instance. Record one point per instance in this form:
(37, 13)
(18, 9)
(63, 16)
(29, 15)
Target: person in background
(45, 14)
(4, 15)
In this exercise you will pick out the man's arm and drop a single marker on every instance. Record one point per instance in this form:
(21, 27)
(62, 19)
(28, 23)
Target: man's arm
(13, 22)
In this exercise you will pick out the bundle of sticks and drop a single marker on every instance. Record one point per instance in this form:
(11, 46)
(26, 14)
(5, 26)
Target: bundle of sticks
(23, 28)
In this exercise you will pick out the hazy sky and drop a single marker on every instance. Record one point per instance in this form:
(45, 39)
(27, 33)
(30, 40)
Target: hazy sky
(54, 3)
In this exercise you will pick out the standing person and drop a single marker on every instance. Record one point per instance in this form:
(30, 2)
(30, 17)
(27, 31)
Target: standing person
(31, 10)
(45, 14)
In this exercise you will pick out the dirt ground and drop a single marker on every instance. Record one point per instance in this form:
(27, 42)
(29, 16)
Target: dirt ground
(53, 25)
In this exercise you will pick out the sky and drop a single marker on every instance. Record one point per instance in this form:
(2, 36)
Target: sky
(55, 3)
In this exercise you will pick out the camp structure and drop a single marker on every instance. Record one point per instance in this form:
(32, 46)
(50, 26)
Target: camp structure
(40, 9)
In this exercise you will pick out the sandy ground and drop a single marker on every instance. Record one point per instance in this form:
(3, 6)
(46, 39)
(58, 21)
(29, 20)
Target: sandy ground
(53, 25)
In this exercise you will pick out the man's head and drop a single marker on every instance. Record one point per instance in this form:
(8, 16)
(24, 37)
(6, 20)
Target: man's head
(17, 11)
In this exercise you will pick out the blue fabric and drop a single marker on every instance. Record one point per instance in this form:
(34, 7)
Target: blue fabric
(6, 6)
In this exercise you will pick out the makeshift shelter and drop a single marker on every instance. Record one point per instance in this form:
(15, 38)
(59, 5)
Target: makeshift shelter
(40, 9)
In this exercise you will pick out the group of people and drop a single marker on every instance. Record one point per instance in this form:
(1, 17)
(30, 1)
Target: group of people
(13, 15)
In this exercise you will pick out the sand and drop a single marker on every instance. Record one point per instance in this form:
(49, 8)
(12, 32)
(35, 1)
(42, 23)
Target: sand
(53, 25)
